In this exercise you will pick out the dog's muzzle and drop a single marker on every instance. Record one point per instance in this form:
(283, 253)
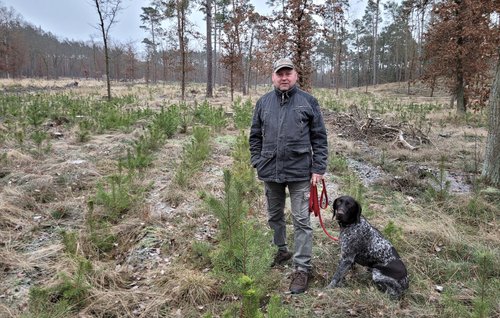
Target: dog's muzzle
(338, 214)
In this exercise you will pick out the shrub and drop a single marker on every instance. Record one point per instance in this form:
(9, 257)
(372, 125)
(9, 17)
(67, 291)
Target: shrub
(62, 299)
(275, 308)
(242, 168)
(193, 156)
(70, 242)
(337, 163)
(243, 245)
(118, 196)
(209, 115)
(242, 113)
(168, 120)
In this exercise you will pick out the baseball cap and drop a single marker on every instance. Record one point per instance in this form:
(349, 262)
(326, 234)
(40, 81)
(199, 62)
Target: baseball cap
(282, 63)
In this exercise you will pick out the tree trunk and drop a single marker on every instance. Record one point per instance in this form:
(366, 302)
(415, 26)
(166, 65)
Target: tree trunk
(181, 20)
(460, 89)
(216, 39)
(338, 64)
(106, 52)
(375, 32)
(148, 72)
(460, 94)
(231, 81)
(165, 65)
(491, 165)
(209, 50)
(249, 62)
(106, 61)
(358, 63)
(153, 57)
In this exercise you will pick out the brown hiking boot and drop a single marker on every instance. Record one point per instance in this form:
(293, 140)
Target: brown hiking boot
(299, 282)
(281, 257)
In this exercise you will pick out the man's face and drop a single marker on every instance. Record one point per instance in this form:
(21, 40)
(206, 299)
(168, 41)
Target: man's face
(284, 79)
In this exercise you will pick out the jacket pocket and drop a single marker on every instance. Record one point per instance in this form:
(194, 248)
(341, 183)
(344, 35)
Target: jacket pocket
(266, 156)
(299, 163)
(300, 151)
(263, 166)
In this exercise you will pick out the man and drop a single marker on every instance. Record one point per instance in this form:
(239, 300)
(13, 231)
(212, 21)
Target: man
(288, 146)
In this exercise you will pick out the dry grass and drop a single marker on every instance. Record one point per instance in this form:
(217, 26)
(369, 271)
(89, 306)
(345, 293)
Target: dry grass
(150, 271)
(12, 216)
(189, 287)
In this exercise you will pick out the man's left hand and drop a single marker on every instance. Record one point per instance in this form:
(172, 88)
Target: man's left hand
(316, 178)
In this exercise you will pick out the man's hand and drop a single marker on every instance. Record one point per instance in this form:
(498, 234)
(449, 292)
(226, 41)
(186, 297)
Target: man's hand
(316, 178)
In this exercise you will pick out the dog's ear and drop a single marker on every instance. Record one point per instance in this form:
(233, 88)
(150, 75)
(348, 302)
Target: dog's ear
(334, 207)
(358, 212)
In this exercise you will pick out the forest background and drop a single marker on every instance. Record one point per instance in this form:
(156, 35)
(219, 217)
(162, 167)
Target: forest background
(385, 44)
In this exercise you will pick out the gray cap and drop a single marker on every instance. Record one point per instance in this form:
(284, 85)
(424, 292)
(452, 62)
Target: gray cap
(282, 63)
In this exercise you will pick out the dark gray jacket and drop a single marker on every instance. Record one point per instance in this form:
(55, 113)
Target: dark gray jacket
(288, 140)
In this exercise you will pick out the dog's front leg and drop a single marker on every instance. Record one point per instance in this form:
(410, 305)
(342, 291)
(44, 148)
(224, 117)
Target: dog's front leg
(344, 265)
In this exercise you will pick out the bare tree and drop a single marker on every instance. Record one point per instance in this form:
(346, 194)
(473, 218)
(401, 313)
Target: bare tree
(179, 10)
(491, 165)
(375, 5)
(117, 52)
(107, 11)
(208, 12)
(334, 33)
(130, 62)
(237, 43)
(152, 19)
(11, 43)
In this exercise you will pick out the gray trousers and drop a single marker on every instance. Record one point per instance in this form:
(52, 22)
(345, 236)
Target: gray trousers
(299, 198)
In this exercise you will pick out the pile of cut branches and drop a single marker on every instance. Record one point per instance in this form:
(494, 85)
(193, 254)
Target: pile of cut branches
(355, 125)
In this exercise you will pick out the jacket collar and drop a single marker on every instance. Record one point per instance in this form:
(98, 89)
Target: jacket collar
(284, 96)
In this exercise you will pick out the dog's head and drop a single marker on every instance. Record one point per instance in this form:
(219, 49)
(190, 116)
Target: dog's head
(346, 210)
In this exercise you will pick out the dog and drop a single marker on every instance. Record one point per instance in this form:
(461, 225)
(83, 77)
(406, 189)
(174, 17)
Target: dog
(361, 243)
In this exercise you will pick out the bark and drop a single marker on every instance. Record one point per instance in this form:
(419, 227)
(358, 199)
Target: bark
(215, 59)
(181, 22)
(249, 63)
(106, 51)
(460, 95)
(153, 58)
(107, 15)
(338, 65)
(491, 165)
(460, 89)
(375, 32)
(209, 49)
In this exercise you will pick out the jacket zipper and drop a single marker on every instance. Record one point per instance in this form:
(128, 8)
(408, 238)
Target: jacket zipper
(278, 134)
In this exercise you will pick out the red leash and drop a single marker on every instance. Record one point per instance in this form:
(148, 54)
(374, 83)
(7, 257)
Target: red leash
(315, 205)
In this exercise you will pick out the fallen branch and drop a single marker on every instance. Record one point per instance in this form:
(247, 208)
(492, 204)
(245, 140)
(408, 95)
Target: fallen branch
(367, 124)
(403, 142)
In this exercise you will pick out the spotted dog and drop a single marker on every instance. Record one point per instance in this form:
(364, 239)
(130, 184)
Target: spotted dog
(363, 244)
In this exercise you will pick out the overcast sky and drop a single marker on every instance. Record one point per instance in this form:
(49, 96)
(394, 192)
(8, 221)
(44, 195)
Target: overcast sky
(77, 19)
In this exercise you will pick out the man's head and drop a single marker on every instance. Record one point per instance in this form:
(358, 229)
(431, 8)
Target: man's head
(284, 74)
